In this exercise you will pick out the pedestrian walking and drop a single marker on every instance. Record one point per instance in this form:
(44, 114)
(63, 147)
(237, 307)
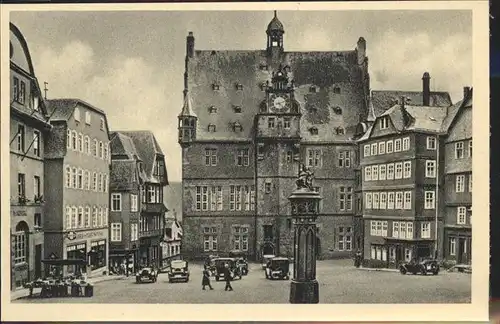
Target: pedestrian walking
(206, 279)
(227, 277)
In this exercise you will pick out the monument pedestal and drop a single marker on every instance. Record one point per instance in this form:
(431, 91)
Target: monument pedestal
(304, 292)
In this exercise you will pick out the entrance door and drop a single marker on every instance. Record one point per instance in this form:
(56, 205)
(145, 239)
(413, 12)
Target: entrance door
(400, 254)
(461, 250)
(38, 261)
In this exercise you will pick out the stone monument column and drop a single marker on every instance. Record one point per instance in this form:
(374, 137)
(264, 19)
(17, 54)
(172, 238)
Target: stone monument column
(304, 201)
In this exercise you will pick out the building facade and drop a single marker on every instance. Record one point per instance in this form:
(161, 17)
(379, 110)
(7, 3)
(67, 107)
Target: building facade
(150, 204)
(402, 166)
(126, 179)
(249, 120)
(77, 171)
(458, 182)
(29, 127)
(171, 247)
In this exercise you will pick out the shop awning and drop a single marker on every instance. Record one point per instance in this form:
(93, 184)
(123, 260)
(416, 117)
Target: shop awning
(65, 262)
(401, 240)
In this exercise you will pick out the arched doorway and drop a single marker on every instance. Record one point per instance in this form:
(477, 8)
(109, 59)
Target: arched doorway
(20, 250)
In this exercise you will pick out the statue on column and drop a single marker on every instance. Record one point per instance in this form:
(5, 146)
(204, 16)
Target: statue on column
(305, 178)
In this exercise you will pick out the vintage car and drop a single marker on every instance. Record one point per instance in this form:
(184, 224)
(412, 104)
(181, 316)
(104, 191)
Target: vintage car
(179, 271)
(423, 267)
(243, 265)
(220, 265)
(265, 259)
(146, 274)
(278, 268)
(210, 263)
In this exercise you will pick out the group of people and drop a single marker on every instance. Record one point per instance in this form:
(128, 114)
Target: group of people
(227, 278)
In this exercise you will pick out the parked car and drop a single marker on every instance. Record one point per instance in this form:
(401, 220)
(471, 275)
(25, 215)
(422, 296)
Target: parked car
(265, 259)
(243, 265)
(278, 268)
(220, 264)
(146, 274)
(179, 271)
(423, 267)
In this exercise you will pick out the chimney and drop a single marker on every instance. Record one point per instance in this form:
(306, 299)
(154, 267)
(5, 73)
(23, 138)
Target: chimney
(426, 89)
(190, 45)
(466, 92)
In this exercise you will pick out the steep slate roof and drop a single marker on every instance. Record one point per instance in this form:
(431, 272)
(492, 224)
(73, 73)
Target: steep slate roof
(325, 70)
(187, 109)
(62, 109)
(122, 144)
(453, 110)
(384, 99)
(121, 174)
(146, 145)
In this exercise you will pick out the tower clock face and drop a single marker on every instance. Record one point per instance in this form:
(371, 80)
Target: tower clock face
(279, 102)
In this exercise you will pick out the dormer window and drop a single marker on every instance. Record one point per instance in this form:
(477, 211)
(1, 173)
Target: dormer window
(339, 131)
(215, 86)
(76, 114)
(313, 131)
(212, 109)
(239, 86)
(237, 127)
(337, 110)
(211, 128)
(384, 123)
(313, 89)
(336, 90)
(237, 109)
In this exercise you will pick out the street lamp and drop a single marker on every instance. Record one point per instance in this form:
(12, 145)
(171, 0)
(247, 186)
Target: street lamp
(304, 288)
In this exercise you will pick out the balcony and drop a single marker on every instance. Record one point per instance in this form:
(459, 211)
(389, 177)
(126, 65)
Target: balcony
(154, 208)
(149, 233)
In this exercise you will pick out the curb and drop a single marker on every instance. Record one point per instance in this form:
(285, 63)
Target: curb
(379, 269)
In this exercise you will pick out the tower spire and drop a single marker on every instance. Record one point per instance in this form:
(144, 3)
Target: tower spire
(276, 14)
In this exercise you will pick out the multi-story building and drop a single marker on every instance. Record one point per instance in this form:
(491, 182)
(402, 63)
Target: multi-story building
(249, 119)
(142, 146)
(28, 127)
(77, 165)
(401, 166)
(126, 178)
(458, 181)
(171, 246)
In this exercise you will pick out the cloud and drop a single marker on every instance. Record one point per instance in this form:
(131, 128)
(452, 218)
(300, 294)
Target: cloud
(397, 62)
(130, 91)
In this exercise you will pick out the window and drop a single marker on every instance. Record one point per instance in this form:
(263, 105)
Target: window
(460, 183)
(399, 200)
(80, 179)
(390, 200)
(368, 173)
(68, 138)
(20, 247)
(105, 155)
(76, 114)
(314, 157)
(470, 183)
(459, 150)
(344, 239)
(95, 148)
(239, 194)
(242, 158)
(36, 186)
(21, 185)
(133, 203)
(116, 202)
(470, 148)
(102, 124)
(430, 202)
(431, 143)
(270, 122)
(101, 150)
(389, 146)
(381, 148)
(399, 170)
(425, 230)
(461, 212)
(345, 198)
(74, 140)
(87, 217)
(201, 198)
(36, 143)
(86, 146)
(378, 228)
(80, 142)
(240, 238)
(395, 229)
(94, 181)
(134, 232)
(20, 138)
(210, 157)
(252, 197)
(376, 202)
(368, 200)
(80, 218)
(116, 232)
(408, 254)
(68, 177)
(430, 169)
(105, 183)
(37, 220)
(374, 172)
(87, 117)
(397, 145)
(373, 150)
(74, 178)
(366, 149)
(382, 172)
(219, 198)
(74, 215)
(384, 123)
(407, 202)
(452, 246)
(344, 159)
(407, 169)
(406, 144)
(383, 200)
(390, 171)
(210, 239)
(211, 128)
(94, 216)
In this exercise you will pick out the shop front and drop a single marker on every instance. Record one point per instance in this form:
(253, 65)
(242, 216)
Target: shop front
(458, 245)
(91, 246)
(149, 251)
(400, 250)
(123, 261)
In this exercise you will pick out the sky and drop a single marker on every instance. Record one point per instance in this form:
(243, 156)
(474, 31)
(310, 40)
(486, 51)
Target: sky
(131, 64)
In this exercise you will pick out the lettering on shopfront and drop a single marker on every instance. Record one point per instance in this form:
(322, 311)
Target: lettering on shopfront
(83, 235)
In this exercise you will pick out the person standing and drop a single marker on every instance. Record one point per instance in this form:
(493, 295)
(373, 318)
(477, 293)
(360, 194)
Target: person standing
(206, 279)
(227, 278)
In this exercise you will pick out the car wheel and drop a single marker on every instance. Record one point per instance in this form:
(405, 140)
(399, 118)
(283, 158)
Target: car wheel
(402, 270)
(424, 271)
(435, 272)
